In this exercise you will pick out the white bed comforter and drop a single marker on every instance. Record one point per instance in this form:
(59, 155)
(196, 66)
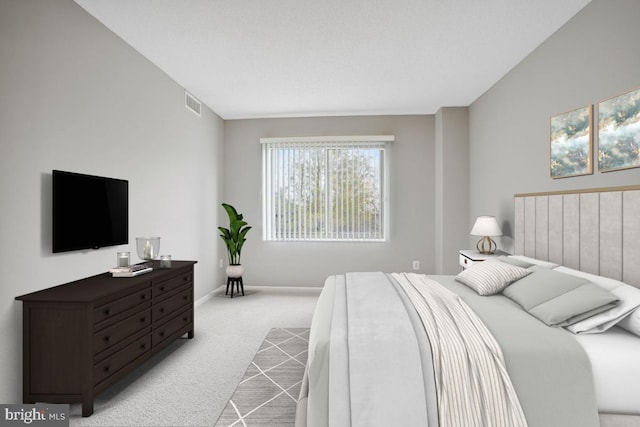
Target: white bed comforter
(370, 361)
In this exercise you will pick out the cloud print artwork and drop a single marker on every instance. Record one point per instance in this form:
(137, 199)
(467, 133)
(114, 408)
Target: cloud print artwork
(571, 143)
(619, 132)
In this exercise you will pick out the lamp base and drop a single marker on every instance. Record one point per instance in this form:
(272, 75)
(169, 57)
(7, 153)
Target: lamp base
(486, 246)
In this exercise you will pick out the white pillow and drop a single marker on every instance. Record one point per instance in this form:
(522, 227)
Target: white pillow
(545, 264)
(491, 277)
(632, 322)
(603, 282)
(629, 301)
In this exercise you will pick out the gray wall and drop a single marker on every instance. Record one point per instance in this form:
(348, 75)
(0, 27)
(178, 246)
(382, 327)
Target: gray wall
(452, 187)
(306, 263)
(76, 97)
(592, 58)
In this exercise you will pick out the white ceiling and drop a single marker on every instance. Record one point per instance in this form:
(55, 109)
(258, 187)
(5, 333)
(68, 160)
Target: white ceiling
(289, 58)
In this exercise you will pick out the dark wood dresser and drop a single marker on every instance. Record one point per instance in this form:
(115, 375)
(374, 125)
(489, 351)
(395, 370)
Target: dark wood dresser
(83, 336)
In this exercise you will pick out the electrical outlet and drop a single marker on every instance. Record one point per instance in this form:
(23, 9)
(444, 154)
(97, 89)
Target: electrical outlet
(221, 263)
(416, 265)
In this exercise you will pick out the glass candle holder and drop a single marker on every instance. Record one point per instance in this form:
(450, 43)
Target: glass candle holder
(165, 261)
(123, 259)
(148, 247)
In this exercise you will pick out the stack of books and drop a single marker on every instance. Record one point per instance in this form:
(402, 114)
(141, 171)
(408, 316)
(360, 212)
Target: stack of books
(130, 271)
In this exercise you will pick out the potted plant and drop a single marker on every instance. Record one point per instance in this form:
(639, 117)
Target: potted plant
(234, 238)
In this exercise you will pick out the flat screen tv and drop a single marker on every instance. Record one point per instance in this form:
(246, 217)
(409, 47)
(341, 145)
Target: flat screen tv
(89, 212)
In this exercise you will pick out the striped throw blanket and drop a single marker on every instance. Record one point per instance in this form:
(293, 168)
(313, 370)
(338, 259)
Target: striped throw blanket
(472, 383)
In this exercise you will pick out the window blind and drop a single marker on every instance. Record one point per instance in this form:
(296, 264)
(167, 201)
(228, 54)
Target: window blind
(321, 189)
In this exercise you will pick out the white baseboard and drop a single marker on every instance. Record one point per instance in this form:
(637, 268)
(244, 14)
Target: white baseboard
(221, 288)
(285, 288)
(206, 297)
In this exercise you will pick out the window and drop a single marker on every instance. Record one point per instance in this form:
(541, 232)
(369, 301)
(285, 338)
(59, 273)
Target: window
(324, 188)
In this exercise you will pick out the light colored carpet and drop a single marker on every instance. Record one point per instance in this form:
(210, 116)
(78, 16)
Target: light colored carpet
(268, 392)
(190, 382)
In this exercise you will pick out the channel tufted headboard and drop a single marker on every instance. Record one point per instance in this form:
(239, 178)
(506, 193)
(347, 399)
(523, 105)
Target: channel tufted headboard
(596, 230)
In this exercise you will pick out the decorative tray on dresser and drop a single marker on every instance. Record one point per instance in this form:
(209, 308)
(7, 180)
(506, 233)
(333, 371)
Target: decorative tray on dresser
(81, 337)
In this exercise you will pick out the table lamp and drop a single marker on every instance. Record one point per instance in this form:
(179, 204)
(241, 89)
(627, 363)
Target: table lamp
(486, 226)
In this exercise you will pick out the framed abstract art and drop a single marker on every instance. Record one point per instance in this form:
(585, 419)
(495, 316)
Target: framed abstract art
(619, 132)
(571, 142)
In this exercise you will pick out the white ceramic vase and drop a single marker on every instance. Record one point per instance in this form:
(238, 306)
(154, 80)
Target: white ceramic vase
(235, 271)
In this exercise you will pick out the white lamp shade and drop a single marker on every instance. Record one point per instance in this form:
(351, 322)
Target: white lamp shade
(486, 226)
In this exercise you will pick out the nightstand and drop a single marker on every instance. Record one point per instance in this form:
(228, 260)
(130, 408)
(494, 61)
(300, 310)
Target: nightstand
(468, 257)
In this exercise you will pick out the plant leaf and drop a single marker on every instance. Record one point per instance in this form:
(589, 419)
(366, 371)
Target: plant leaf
(234, 236)
(231, 212)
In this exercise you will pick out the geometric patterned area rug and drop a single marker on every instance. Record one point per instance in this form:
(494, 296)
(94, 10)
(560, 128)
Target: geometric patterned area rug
(268, 393)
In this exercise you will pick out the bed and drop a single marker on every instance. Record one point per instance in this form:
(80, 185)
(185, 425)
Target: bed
(380, 353)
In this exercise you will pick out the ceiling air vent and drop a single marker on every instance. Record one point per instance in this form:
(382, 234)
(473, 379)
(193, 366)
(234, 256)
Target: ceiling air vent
(191, 103)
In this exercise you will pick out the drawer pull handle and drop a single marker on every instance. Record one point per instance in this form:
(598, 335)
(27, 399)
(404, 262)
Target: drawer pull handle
(106, 338)
(107, 312)
(143, 296)
(143, 319)
(161, 333)
(106, 369)
(186, 297)
(161, 310)
(185, 278)
(186, 319)
(161, 288)
(143, 346)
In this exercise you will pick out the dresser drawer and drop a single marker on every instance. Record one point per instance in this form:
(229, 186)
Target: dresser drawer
(163, 289)
(117, 361)
(176, 302)
(113, 334)
(113, 308)
(173, 326)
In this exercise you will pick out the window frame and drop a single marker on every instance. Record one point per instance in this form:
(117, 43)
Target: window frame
(360, 140)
